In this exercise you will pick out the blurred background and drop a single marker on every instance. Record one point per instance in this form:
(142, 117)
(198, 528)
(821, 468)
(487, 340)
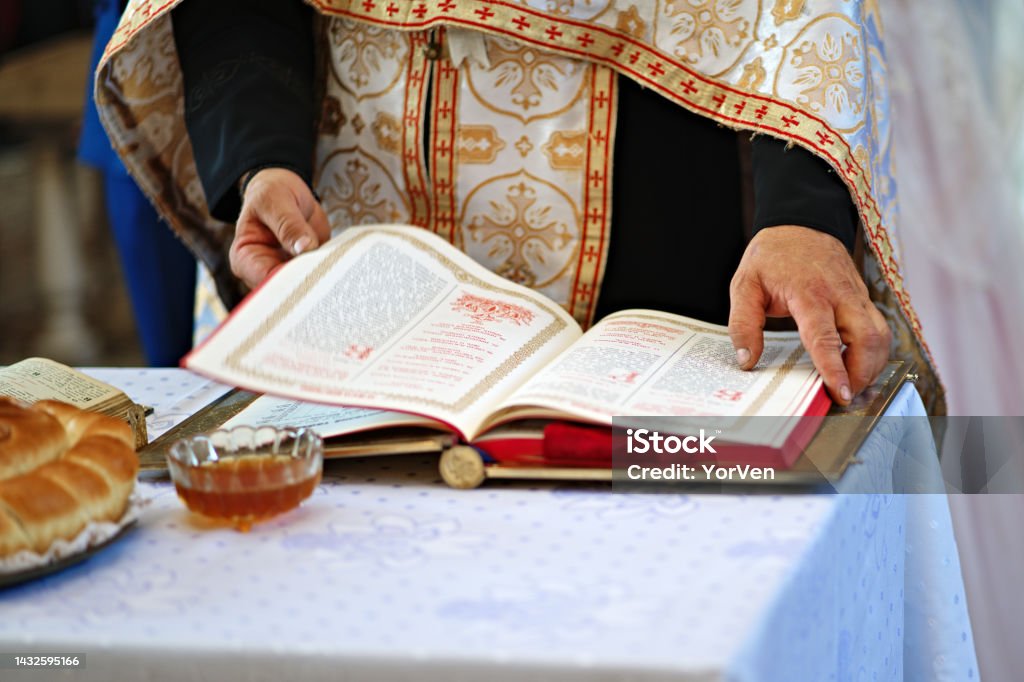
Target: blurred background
(61, 287)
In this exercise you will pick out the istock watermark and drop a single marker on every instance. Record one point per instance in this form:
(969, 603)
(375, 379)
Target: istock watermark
(842, 453)
(658, 468)
(641, 441)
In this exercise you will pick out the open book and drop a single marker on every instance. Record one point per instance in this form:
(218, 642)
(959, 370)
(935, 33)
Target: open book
(35, 379)
(397, 322)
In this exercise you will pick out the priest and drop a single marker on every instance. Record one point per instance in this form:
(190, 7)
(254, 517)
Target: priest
(724, 161)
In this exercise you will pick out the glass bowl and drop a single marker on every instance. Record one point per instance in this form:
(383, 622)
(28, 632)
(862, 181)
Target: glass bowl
(246, 474)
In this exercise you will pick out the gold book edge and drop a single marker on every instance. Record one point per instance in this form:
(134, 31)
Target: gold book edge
(830, 452)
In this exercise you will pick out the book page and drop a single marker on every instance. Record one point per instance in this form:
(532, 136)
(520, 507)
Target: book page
(41, 379)
(326, 420)
(393, 318)
(646, 363)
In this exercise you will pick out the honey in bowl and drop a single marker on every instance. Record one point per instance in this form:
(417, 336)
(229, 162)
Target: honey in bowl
(246, 475)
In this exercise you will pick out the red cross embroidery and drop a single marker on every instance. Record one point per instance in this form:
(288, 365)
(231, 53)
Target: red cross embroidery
(634, 58)
(585, 40)
(599, 137)
(595, 215)
(656, 69)
(446, 5)
(420, 11)
(591, 252)
(443, 148)
(790, 121)
(553, 33)
(596, 178)
(824, 138)
(761, 111)
(583, 291)
(521, 23)
(392, 9)
(445, 110)
(484, 13)
(617, 49)
(719, 100)
(368, 5)
(739, 107)
(601, 100)
(688, 87)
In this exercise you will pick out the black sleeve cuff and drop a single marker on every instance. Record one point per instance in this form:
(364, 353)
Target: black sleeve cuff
(247, 67)
(795, 187)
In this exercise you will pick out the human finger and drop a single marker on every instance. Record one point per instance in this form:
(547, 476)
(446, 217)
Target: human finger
(746, 319)
(815, 319)
(321, 226)
(867, 338)
(255, 252)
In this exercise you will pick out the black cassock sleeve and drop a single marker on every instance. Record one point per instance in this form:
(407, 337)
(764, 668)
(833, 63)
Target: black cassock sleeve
(247, 67)
(677, 206)
(795, 187)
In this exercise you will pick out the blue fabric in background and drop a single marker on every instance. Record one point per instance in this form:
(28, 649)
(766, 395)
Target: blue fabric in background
(159, 271)
(93, 147)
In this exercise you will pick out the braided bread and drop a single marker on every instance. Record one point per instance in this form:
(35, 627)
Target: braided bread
(60, 469)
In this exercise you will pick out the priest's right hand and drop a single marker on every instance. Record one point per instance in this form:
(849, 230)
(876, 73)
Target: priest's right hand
(280, 218)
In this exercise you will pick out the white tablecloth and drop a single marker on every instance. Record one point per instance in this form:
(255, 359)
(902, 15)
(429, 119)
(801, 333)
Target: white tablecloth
(387, 574)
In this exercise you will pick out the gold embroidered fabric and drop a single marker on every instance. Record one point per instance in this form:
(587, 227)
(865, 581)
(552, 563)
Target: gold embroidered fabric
(517, 168)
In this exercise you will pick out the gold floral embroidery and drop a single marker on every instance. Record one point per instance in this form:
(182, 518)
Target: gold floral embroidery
(830, 74)
(368, 59)
(358, 123)
(479, 143)
(753, 75)
(787, 10)
(630, 22)
(525, 82)
(359, 197)
(519, 234)
(566, 149)
(524, 146)
(388, 132)
(707, 31)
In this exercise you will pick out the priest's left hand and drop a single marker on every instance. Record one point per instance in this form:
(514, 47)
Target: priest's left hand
(800, 272)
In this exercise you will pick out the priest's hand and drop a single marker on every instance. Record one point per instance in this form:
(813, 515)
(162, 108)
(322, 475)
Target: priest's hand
(280, 218)
(807, 274)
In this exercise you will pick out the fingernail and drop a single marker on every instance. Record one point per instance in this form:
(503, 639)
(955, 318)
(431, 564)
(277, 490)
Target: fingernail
(743, 356)
(301, 244)
(845, 394)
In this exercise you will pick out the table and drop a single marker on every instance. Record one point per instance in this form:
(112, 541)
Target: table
(387, 574)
